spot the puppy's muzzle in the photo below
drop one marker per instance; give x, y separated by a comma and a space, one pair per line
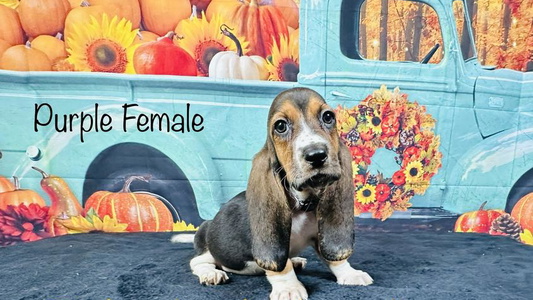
316, 155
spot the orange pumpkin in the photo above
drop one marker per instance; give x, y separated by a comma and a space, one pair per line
24, 58
6, 185
289, 11
260, 22
19, 196
10, 28
82, 15
43, 16
75, 3
523, 212
4, 46
477, 221
162, 16
53, 47
128, 9
142, 212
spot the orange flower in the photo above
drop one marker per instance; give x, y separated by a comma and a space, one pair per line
398, 178
357, 154
382, 192
411, 153
367, 135
389, 126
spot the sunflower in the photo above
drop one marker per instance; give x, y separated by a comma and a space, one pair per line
366, 194
374, 123
203, 39
413, 172
91, 223
182, 226
103, 45
284, 64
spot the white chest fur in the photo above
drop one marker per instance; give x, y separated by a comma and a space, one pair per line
304, 231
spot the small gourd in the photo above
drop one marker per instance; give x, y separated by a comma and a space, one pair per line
234, 65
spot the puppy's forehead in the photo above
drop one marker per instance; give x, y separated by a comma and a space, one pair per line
297, 102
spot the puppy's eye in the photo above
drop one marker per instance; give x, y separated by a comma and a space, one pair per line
328, 117
281, 126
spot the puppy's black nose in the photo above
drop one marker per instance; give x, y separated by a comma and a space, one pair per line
316, 155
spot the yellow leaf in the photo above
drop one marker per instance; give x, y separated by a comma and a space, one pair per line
182, 226
526, 237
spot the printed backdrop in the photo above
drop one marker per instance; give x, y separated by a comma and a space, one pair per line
64, 179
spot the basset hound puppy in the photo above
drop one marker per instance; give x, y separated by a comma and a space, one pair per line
299, 194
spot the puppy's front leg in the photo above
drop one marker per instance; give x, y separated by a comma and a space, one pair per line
204, 266
347, 275
285, 285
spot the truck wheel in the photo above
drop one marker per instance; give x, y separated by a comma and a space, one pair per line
522, 187
108, 170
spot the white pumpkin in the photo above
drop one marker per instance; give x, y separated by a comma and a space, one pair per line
233, 65
228, 64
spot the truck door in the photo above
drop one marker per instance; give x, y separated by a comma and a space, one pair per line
404, 44
496, 102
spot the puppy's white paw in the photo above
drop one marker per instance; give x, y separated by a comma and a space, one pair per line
295, 291
354, 277
299, 262
213, 277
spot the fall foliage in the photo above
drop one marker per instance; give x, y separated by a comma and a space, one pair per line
405, 31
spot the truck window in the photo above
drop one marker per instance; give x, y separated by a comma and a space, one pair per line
467, 46
398, 31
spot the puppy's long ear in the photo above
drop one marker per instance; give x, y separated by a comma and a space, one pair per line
269, 212
335, 213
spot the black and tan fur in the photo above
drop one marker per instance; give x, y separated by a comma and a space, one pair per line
299, 193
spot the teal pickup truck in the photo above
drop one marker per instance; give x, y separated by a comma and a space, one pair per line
196, 136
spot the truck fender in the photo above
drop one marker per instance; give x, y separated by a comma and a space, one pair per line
497, 170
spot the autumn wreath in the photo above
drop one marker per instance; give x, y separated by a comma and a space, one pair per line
386, 119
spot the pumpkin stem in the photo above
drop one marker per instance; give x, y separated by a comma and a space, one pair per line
225, 29
130, 179
45, 175
16, 183
482, 205
170, 35
253, 3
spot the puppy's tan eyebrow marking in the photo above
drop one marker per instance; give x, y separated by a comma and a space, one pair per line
314, 107
288, 111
